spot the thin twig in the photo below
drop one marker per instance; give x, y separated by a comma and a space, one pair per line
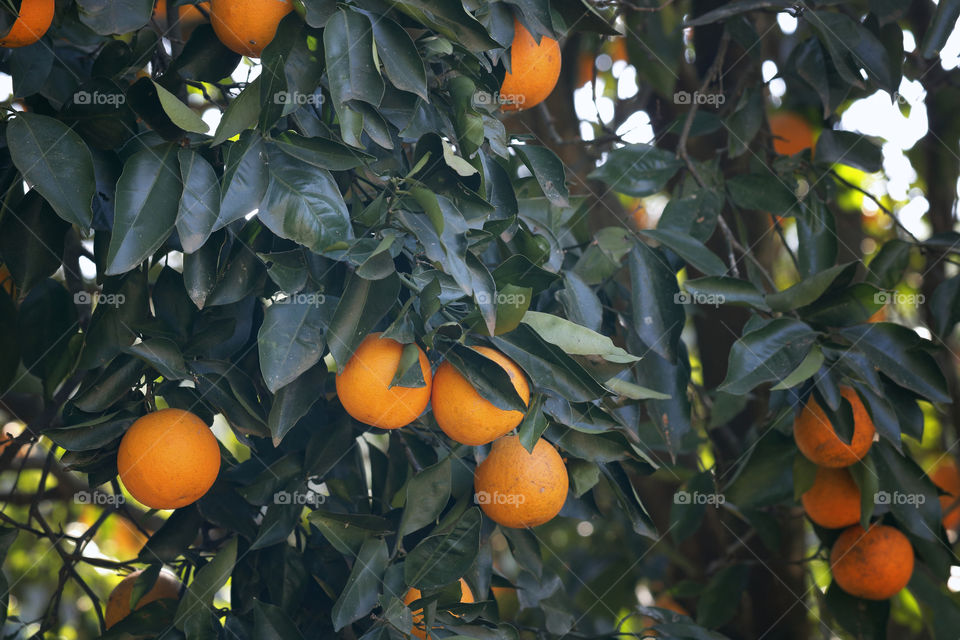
879, 204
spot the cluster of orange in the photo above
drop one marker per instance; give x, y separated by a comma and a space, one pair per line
875, 563
519, 488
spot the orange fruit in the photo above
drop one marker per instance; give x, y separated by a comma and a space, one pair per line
167, 587
247, 26
879, 316
364, 385
791, 133
874, 564
35, 18
463, 414
168, 459
519, 489
6, 281
947, 478
821, 445
188, 16
413, 594
534, 70
663, 601
834, 499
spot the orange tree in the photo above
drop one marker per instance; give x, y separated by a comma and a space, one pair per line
374, 267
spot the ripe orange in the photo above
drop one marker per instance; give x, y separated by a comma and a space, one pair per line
188, 16
247, 26
35, 18
879, 316
364, 385
413, 594
168, 459
834, 499
464, 414
520, 489
534, 70
818, 441
947, 478
874, 564
167, 587
791, 133
6, 281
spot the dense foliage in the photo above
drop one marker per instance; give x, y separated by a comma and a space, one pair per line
366, 181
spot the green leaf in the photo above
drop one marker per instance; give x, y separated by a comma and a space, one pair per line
908, 491
293, 401
548, 169
723, 290
199, 202
888, 265
321, 152
108, 17
272, 623
810, 289
944, 22
400, 57
945, 303
759, 192
147, 201
451, 21
689, 505
302, 203
862, 618
575, 339
198, 600
657, 318
245, 179
633, 391
179, 113
351, 69
31, 241
362, 590
56, 162
548, 365
533, 425
363, 305
848, 148
864, 474
810, 365
899, 353
486, 376
839, 35
242, 113
427, 493
637, 169
291, 338
163, 355
444, 557
769, 353
745, 122
691, 250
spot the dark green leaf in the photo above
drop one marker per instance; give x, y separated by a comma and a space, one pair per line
723, 290
362, 590
108, 17
443, 557
657, 319
767, 354
944, 22
810, 289
637, 169
351, 70
691, 250
399, 56
427, 493
291, 338
759, 192
547, 168
199, 202
848, 148
363, 305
